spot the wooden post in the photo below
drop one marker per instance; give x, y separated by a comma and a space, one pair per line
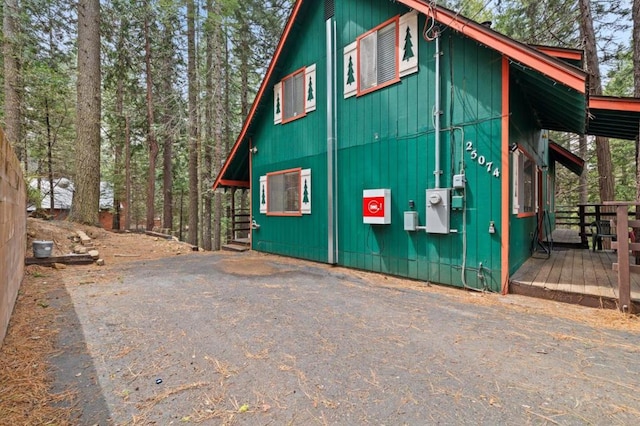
624, 284
583, 225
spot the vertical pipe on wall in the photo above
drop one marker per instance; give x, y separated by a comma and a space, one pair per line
330, 142
335, 140
436, 111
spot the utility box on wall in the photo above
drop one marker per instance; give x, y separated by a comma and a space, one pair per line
438, 210
376, 206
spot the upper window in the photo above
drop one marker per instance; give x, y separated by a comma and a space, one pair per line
378, 57
293, 96
284, 192
524, 184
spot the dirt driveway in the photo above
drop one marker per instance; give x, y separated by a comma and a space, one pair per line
256, 339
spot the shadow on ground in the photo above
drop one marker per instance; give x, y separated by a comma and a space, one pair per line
254, 339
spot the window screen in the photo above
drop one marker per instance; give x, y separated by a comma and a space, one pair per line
377, 56
368, 59
284, 192
528, 187
387, 53
293, 96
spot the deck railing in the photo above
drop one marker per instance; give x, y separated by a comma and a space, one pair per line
583, 215
624, 267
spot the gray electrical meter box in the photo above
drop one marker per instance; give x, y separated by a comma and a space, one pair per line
410, 221
438, 210
459, 181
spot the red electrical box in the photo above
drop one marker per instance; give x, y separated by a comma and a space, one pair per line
376, 206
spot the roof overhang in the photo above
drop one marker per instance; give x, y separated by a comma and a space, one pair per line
538, 64
236, 167
566, 158
573, 57
614, 117
558, 70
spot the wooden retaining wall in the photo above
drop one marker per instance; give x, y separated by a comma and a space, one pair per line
13, 224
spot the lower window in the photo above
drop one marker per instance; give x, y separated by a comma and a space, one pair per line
524, 184
284, 192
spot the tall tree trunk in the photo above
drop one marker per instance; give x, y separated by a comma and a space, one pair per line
167, 164
87, 178
127, 172
49, 157
636, 86
583, 190
12, 101
227, 126
635, 15
603, 152
244, 52
168, 53
218, 113
117, 159
208, 126
193, 124
152, 142
119, 172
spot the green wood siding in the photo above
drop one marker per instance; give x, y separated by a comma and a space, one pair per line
386, 140
524, 131
299, 143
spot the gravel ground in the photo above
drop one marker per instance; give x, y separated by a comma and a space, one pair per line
253, 339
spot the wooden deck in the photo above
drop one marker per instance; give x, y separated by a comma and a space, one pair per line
575, 276
566, 237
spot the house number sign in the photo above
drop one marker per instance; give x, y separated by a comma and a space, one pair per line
482, 161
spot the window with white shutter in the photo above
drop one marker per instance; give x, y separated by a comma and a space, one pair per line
378, 57
293, 96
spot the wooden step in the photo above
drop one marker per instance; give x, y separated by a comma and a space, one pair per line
235, 247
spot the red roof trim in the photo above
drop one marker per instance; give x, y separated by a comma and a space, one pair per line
235, 183
614, 104
569, 156
557, 70
560, 52
263, 88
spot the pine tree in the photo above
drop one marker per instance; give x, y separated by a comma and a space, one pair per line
86, 199
310, 91
263, 201
408, 46
350, 78
278, 104
305, 193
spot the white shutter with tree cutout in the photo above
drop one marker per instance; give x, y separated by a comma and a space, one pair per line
350, 70
263, 194
277, 103
310, 88
515, 208
408, 43
305, 191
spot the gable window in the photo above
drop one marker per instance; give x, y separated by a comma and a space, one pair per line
524, 184
284, 192
378, 57
293, 96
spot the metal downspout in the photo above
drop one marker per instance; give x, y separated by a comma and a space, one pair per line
330, 142
436, 111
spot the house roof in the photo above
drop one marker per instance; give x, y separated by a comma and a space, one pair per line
614, 117
573, 57
63, 190
555, 89
566, 158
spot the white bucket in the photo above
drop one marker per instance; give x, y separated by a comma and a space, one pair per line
42, 248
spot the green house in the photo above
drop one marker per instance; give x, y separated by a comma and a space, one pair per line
400, 137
